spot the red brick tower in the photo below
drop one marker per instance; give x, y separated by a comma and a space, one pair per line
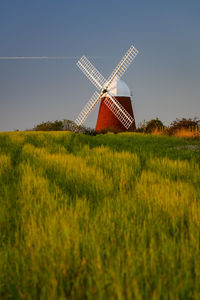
106, 119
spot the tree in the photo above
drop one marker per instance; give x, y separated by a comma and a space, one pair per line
141, 126
66, 125
152, 125
184, 123
49, 126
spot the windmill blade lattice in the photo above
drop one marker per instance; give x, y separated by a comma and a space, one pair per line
123, 65
88, 108
91, 72
102, 84
119, 111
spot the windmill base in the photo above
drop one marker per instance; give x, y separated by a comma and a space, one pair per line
108, 121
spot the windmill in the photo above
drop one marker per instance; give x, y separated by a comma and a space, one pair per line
115, 109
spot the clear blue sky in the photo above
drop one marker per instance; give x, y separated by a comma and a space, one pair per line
165, 77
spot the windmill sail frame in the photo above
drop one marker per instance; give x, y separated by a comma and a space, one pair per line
102, 84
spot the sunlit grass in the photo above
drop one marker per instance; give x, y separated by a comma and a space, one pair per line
105, 217
185, 133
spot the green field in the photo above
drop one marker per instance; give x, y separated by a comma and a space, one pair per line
104, 217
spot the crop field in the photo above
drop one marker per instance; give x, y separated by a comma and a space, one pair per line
103, 217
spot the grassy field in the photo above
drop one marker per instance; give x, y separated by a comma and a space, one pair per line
104, 217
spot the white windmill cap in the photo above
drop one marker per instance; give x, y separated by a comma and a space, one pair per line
119, 89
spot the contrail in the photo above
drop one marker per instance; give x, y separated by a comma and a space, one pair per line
44, 57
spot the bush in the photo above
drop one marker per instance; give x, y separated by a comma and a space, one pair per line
150, 126
49, 126
66, 125
141, 126
89, 131
153, 125
179, 124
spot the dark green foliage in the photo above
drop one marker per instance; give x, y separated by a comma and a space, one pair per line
65, 125
49, 126
188, 124
191, 127
150, 126
89, 131
68, 125
153, 125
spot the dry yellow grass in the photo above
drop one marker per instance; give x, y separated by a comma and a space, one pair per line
185, 133
188, 133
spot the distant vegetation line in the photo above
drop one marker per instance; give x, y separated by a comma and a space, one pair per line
180, 127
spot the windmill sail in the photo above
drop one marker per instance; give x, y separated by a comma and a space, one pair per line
88, 108
119, 111
103, 85
123, 65
91, 72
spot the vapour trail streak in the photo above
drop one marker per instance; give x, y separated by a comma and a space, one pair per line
44, 57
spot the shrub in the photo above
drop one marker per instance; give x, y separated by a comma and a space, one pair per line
141, 126
49, 126
153, 125
66, 125
180, 124
150, 126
